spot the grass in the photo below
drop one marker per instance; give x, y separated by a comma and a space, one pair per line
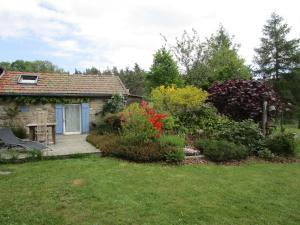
97, 190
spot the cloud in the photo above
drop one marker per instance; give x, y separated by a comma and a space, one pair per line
116, 32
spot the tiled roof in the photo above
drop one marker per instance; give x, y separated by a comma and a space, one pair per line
62, 85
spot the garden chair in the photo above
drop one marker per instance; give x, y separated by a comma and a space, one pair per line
10, 140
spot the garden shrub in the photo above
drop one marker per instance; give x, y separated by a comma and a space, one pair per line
177, 100
141, 124
171, 140
142, 153
111, 145
106, 143
265, 154
19, 132
221, 150
242, 99
281, 144
36, 154
204, 118
110, 123
176, 155
170, 123
115, 104
246, 133
173, 146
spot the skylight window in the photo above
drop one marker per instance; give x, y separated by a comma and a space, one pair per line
28, 79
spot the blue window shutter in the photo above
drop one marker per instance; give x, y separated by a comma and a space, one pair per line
59, 119
85, 122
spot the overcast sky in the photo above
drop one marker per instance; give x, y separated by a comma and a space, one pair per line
84, 33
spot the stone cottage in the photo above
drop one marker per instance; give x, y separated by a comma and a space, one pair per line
72, 102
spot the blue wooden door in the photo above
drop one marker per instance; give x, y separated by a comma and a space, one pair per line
59, 119
85, 121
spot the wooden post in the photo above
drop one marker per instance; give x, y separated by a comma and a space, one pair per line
265, 118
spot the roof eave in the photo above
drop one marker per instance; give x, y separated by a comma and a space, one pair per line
60, 94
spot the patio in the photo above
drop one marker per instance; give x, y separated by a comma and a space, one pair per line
70, 144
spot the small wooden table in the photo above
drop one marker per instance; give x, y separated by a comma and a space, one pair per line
32, 127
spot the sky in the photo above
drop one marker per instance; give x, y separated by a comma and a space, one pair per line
84, 33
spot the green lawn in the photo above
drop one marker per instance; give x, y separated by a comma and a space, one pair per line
97, 190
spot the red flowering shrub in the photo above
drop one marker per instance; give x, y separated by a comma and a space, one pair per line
242, 99
155, 119
141, 124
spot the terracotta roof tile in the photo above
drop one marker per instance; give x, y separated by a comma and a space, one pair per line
62, 84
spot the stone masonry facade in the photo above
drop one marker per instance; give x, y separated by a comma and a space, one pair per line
26, 114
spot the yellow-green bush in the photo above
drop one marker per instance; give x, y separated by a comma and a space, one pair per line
178, 99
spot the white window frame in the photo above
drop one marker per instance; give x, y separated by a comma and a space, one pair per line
64, 120
25, 81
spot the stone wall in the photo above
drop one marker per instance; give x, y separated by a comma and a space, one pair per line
24, 114
96, 106
28, 115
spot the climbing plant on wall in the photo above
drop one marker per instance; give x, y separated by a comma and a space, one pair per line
29, 100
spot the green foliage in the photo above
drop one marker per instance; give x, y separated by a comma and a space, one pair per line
222, 150
205, 118
110, 123
245, 133
92, 70
134, 79
222, 59
171, 140
169, 124
9, 155
12, 112
28, 100
37, 66
282, 144
36, 154
206, 122
173, 145
207, 62
19, 132
106, 143
136, 128
112, 145
175, 156
115, 104
178, 100
288, 89
164, 71
142, 153
276, 55
265, 154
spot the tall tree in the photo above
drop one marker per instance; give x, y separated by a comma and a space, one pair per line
276, 55
188, 50
92, 70
37, 66
216, 59
222, 58
164, 71
133, 79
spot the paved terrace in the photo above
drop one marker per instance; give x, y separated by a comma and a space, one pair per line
70, 144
